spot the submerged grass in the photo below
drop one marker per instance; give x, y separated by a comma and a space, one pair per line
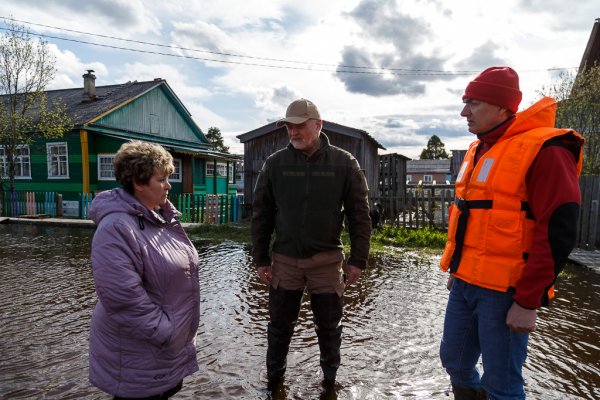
388, 236
239, 232
415, 238
425, 240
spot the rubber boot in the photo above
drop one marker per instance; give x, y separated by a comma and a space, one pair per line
327, 312
284, 306
461, 393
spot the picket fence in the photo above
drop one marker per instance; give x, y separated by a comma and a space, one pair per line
15, 204
427, 206
421, 206
199, 208
588, 234
208, 208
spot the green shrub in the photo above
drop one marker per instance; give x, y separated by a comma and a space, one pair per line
397, 236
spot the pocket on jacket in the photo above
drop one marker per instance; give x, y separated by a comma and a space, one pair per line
179, 337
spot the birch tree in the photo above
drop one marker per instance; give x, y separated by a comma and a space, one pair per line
26, 69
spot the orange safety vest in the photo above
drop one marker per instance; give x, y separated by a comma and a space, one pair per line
490, 228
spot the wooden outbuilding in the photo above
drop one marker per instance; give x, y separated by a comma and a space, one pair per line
260, 143
392, 175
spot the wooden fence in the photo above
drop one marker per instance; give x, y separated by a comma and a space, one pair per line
208, 208
203, 208
421, 206
85, 201
427, 206
588, 235
15, 204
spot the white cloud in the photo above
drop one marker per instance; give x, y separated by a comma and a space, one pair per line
532, 36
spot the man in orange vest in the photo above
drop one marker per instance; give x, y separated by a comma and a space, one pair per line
509, 235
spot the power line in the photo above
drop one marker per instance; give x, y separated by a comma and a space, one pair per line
168, 46
377, 70
383, 72
230, 54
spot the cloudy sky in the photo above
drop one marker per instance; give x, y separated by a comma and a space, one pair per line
394, 68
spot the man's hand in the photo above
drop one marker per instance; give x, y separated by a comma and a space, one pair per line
265, 274
450, 282
521, 320
352, 274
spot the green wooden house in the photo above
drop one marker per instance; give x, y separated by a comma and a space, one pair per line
104, 118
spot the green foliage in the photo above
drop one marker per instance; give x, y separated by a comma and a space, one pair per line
215, 138
435, 150
388, 236
26, 68
401, 237
578, 99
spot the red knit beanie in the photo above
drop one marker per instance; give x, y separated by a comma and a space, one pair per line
498, 86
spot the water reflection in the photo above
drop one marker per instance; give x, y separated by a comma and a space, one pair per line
393, 320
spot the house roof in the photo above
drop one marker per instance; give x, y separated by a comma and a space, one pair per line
592, 50
88, 114
107, 98
393, 155
428, 166
327, 126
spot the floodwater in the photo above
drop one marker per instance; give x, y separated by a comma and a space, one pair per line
393, 322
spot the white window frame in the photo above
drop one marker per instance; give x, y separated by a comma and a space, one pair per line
221, 170
210, 168
408, 178
3, 163
20, 160
177, 173
427, 178
103, 159
58, 159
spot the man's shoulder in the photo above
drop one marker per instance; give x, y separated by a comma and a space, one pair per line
279, 154
341, 153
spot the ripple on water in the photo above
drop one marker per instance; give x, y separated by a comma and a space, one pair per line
393, 322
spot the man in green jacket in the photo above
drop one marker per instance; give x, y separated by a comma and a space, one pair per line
303, 193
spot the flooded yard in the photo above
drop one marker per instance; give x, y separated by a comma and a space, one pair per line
393, 322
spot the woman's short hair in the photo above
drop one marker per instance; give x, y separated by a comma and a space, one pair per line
137, 161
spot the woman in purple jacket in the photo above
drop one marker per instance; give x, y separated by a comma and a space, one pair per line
143, 329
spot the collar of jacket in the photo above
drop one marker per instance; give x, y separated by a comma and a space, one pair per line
167, 213
490, 137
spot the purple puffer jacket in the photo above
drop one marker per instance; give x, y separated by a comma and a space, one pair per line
143, 330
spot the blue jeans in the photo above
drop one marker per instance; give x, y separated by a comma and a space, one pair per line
474, 325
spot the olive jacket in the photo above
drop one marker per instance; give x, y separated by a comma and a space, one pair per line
304, 201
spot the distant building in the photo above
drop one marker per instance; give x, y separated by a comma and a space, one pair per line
428, 171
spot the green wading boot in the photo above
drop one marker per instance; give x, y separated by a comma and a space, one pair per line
327, 312
284, 306
461, 393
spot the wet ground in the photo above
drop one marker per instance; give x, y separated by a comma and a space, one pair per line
393, 320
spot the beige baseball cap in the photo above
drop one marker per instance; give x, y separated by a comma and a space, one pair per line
299, 111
